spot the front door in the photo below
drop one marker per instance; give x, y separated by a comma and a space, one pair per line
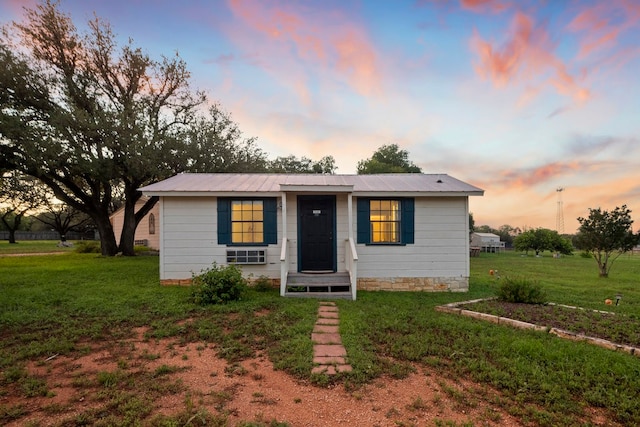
316, 228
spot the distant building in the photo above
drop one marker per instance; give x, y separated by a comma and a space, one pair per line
148, 230
487, 242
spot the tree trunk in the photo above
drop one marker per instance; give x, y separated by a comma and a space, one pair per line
128, 235
132, 219
107, 237
12, 235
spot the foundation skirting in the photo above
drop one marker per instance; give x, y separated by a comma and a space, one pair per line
414, 284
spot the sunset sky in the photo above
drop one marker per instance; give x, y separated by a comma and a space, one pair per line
519, 98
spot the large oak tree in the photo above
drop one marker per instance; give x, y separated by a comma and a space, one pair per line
94, 120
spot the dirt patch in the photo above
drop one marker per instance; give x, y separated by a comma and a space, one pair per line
190, 377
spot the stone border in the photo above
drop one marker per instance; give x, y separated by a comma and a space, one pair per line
455, 308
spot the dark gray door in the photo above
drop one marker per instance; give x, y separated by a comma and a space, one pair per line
316, 225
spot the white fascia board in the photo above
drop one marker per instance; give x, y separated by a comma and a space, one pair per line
211, 194
418, 194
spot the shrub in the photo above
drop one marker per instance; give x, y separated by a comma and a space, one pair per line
521, 290
218, 285
88, 247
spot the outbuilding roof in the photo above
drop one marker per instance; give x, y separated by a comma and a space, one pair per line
222, 183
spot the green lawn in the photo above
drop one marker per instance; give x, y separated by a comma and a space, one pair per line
51, 304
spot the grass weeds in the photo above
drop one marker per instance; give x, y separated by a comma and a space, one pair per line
55, 304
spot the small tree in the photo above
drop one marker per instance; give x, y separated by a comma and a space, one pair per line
63, 218
540, 240
606, 235
19, 194
524, 241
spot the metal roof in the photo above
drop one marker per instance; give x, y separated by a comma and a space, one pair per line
408, 183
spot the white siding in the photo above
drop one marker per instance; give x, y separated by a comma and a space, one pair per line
190, 240
440, 248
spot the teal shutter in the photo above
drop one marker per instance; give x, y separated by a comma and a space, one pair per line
270, 206
224, 221
363, 225
408, 221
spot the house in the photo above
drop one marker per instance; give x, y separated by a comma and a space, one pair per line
378, 232
487, 242
147, 232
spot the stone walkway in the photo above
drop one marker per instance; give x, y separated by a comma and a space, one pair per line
329, 355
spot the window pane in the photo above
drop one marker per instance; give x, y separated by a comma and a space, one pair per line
236, 211
385, 221
247, 221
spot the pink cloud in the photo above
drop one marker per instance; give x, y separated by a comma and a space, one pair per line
521, 179
601, 25
307, 40
526, 56
494, 6
540, 174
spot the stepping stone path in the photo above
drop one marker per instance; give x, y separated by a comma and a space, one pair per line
328, 352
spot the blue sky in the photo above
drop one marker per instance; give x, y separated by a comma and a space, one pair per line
519, 98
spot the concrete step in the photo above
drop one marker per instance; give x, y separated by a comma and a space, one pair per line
322, 279
322, 285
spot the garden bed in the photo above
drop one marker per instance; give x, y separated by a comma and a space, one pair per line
603, 328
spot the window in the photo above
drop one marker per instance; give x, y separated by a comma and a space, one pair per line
384, 217
385, 221
247, 221
152, 224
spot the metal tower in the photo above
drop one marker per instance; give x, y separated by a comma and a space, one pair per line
559, 212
